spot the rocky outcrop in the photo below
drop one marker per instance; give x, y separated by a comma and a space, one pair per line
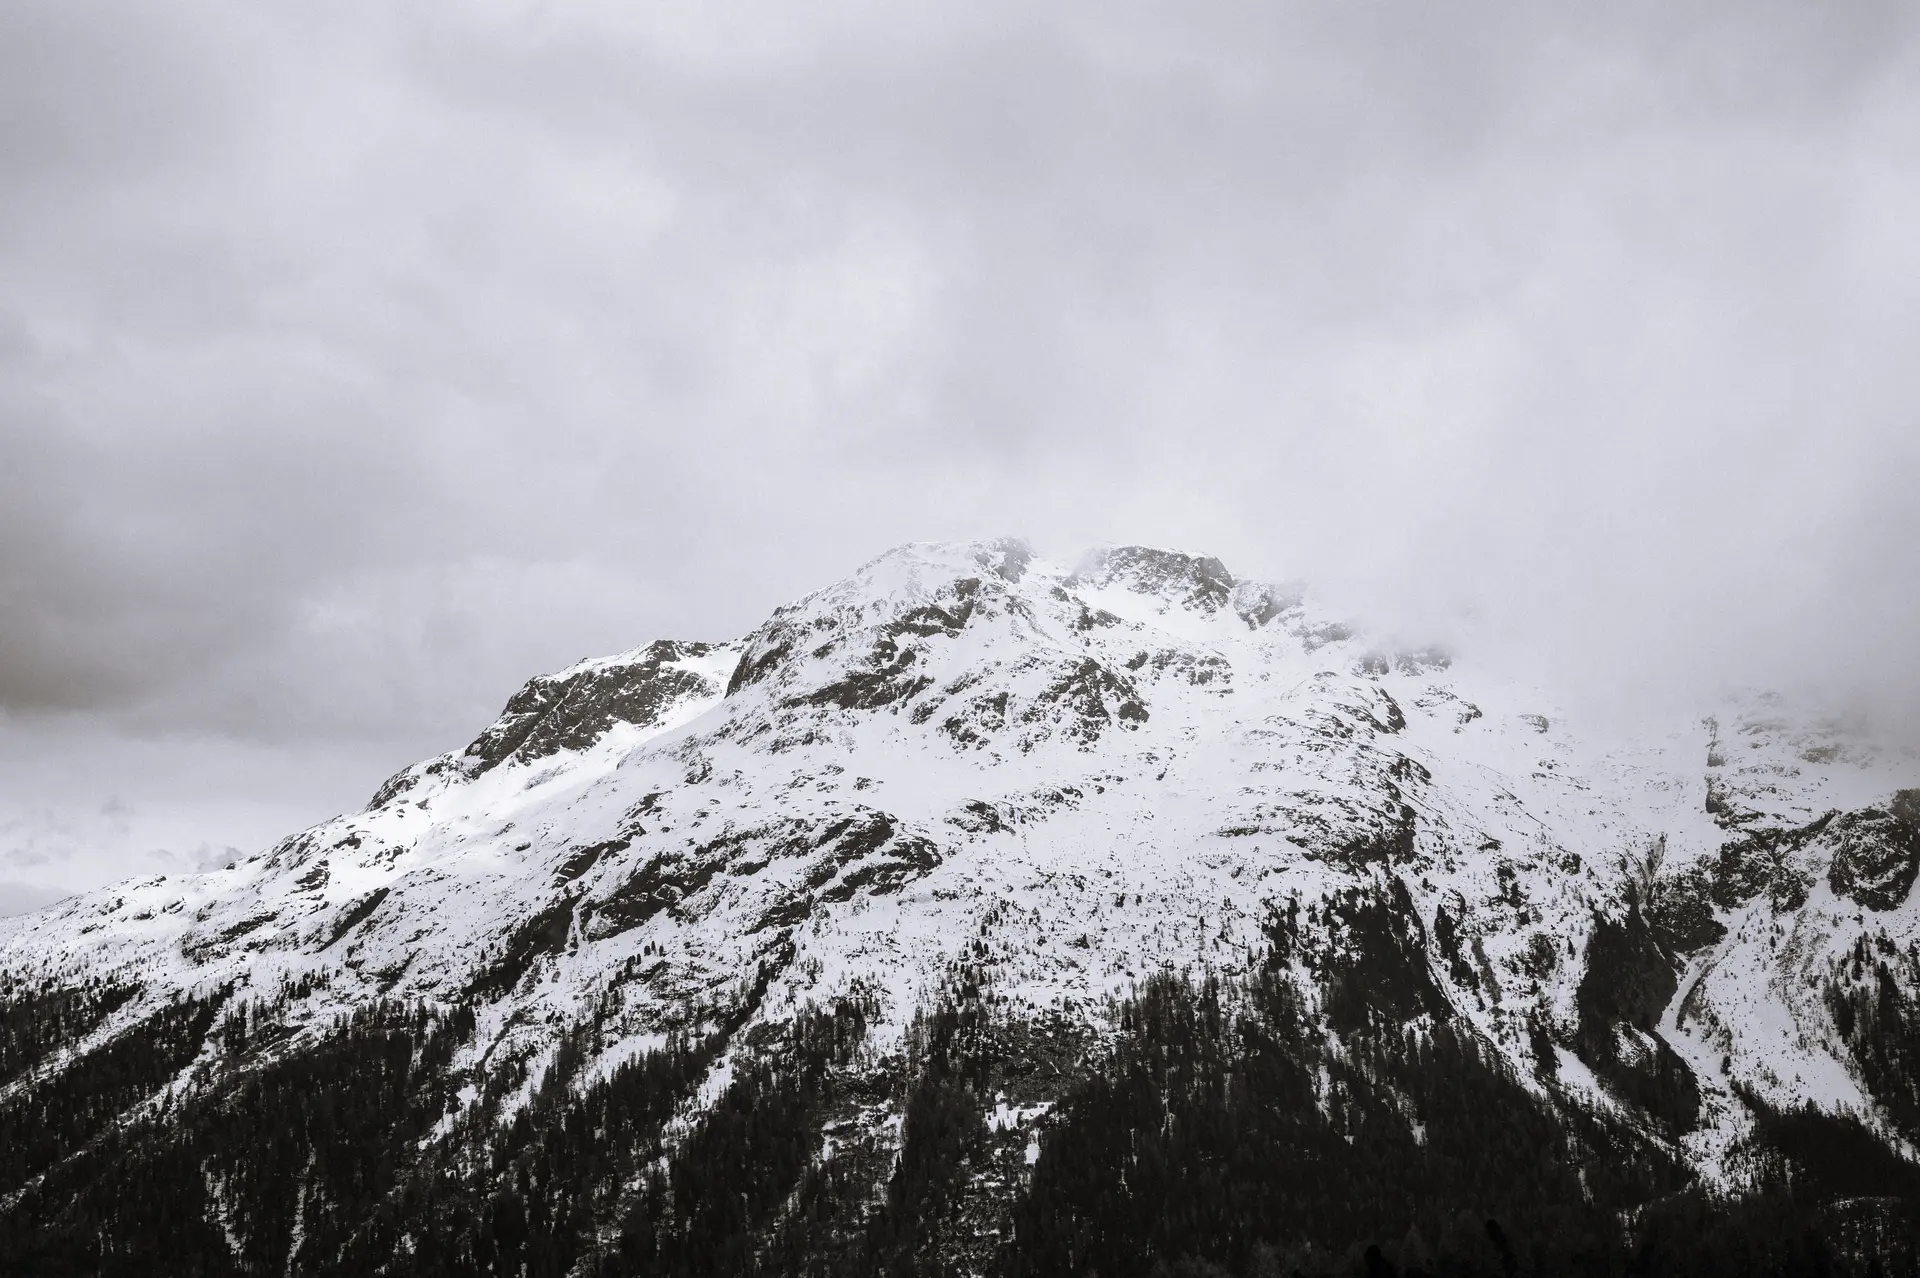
1876, 852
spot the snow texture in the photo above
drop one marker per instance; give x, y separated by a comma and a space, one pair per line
1079, 775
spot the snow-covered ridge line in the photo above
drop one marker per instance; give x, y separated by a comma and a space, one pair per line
1074, 776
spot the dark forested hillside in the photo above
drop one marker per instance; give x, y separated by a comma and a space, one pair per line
1225, 1129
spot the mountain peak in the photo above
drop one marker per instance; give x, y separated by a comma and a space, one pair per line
969, 800
1198, 581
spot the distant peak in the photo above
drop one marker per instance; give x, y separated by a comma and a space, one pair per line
1199, 581
1003, 557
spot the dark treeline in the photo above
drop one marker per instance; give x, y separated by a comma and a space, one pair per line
494, 1198
703, 1213
40, 1125
306, 1143
1322, 1112
932, 1208
1865, 995
1230, 1132
1223, 1140
34, 1020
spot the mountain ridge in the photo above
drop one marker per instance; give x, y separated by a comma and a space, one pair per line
965, 830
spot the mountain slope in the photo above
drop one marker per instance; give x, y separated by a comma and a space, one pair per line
857, 943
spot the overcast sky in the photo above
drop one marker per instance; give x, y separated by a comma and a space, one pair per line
359, 360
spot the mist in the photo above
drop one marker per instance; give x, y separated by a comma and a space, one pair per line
356, 364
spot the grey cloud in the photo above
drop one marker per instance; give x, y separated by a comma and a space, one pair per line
357, 362
23, 898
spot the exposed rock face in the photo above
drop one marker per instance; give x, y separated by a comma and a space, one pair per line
1198, 583
980, 913
574, 709
1877, 852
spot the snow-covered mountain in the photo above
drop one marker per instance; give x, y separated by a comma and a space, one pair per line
947, 840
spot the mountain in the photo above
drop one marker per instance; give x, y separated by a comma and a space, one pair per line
981, 914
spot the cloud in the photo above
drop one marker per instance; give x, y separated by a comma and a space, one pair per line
356, 363
24, 898
82, 803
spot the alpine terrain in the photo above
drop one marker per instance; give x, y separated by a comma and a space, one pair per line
984, 915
